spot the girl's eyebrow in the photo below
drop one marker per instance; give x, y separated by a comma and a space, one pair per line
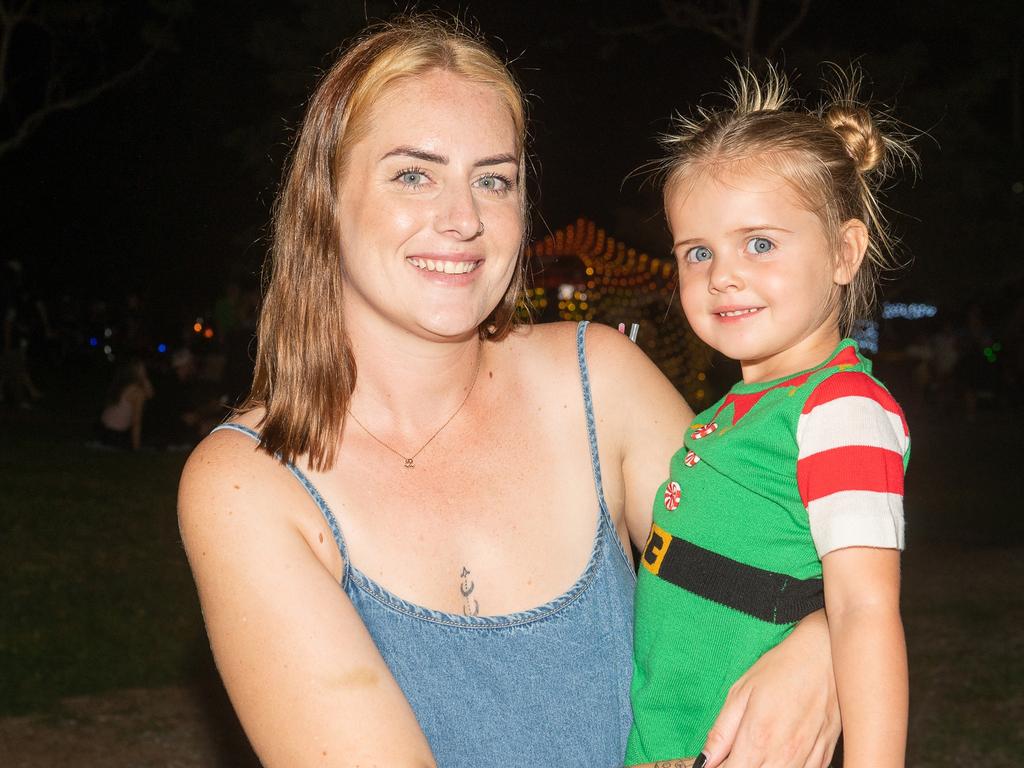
739, 231
433, 157
763, 228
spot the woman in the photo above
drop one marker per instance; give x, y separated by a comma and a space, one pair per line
120, 424
473, 491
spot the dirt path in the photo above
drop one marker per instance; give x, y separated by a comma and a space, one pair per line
139, 728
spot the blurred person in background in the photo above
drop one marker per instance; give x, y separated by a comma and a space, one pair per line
18, 311
120, 424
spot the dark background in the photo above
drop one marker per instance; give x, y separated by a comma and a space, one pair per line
162, 185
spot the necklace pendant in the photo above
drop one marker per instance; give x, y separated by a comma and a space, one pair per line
409, 464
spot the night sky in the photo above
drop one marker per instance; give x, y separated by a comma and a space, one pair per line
163, 185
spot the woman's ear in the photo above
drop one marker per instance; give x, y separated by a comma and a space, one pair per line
853, 244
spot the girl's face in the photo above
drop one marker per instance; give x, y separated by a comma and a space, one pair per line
755, 276
430, 209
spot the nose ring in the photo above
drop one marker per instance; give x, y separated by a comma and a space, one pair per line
481, 230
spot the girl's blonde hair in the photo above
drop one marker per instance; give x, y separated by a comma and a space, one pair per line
836, 157
305, 371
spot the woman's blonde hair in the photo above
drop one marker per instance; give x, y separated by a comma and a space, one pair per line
305, 371
836, 157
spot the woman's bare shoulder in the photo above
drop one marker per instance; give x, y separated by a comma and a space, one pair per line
229, 472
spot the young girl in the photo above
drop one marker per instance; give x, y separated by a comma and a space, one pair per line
788, 493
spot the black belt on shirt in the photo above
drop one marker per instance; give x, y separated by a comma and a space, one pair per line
765, 595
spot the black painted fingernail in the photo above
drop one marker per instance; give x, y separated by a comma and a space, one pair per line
701, 759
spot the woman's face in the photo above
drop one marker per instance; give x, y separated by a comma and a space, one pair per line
430, 208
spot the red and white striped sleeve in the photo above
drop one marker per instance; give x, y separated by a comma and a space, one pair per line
852, 438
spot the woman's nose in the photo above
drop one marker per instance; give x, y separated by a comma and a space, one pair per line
458, 214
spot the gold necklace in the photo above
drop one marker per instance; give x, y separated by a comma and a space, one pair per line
409, 460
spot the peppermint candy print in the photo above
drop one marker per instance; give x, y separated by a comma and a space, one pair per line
691, 459
673, 493
704, 431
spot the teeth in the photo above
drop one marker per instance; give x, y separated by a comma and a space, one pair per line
738, 312
447, 267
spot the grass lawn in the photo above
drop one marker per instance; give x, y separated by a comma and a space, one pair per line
96, 594
95, 587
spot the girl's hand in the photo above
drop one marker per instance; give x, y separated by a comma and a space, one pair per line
784, 711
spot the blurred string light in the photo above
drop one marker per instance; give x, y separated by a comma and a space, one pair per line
992, 352
161, 348
865, 333
893, 310
593, 276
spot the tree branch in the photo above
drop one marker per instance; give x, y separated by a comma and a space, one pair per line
796, 21
52, 105
55, 97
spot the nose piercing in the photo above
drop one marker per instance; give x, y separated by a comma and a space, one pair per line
481, 230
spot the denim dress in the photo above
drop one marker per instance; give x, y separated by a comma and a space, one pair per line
546, 686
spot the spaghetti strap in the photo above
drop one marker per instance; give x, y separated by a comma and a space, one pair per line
311, 489
588, 405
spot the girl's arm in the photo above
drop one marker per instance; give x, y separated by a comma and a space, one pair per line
862, 597
302, 672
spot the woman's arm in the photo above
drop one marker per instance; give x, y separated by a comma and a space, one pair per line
302, 672
862, 596
643, 418
783, 711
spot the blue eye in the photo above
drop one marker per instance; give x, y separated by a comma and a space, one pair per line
698, 254
759, 245
495, 183
411, 178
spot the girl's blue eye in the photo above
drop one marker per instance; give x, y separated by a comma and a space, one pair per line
759, 245
698, 254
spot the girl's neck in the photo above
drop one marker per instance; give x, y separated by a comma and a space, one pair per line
807, 353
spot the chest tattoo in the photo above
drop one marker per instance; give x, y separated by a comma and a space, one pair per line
470, 605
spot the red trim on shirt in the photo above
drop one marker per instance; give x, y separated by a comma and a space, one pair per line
849, 468
742, 403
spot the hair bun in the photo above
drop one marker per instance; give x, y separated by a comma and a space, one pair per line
864, 142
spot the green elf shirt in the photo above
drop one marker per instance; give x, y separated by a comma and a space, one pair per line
769, 479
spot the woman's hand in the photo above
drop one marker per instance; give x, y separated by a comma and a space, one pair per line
784, 712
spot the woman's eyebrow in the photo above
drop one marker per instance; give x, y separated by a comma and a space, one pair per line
419, 154
434, 157
497, 160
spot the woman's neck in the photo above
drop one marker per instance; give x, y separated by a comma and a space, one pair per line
405, 382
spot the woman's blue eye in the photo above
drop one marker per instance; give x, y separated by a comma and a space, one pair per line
698, 254
412, 178
758, 245
495, 183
